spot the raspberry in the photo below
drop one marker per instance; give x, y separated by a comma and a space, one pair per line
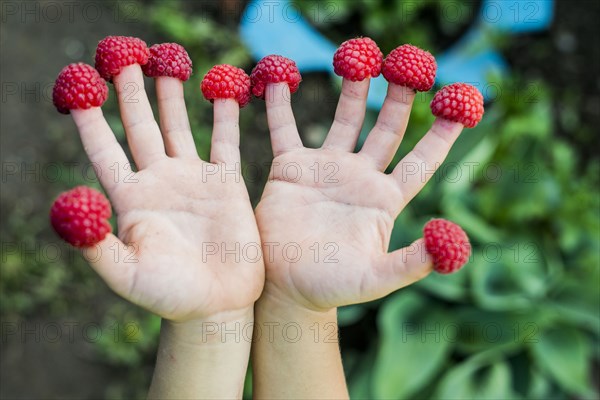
410, 66
116, 52
458, 102
78, 86
448, 244
358, 59
274, 69
80, 216
168, 59
226, 82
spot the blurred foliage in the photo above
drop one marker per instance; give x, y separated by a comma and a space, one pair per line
521, 321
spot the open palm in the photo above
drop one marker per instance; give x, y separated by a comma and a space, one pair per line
326, 214
192, 242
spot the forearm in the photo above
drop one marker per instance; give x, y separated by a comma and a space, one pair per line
296, 352
204, 359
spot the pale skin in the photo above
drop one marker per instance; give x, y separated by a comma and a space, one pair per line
175, 204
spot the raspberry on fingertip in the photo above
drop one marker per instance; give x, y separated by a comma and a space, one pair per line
447, 244
80, 216
78, 86
358, 59
116, 52
458, 102
274, 69
410, 66
168, 59
226, 82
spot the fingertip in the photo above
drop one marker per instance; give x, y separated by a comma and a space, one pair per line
401, 94
83, 116
447, 127
128, 74
417, 262
226, 110
168, 87
277, 93
97, 254
356, 89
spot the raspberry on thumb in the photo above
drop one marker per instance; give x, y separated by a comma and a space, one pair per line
458, 102
80, 216
78, 86
447, 244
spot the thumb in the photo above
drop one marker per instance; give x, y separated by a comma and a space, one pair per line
403, 267
115, 262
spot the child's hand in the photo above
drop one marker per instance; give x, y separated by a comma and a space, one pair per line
181, 215
326, 214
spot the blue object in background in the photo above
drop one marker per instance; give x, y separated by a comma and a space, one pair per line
269, 27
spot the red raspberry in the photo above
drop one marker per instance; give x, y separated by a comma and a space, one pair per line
410, 66
358, 59
274, 69
448, 244
78, 86
168, 59
226, 82
116, 52
80, 216
458, 102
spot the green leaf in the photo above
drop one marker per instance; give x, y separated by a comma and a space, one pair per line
413, 346
493, 286
577, 302
349, 315
533, 122
475, 226
539, 387
476, 379
480, 330
563, 354
448, 287
525, 265
497, 383
358, 370
247, 393
460, 175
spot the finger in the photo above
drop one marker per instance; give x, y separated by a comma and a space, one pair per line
415, 170
101, 147
385, 137
402, 267
174, 122
349, 116
143, 134
114, 262
225, 144
282, 125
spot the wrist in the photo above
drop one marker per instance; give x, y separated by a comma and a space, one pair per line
203, 358
305, 341
279, 300
227, 327
281, 318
